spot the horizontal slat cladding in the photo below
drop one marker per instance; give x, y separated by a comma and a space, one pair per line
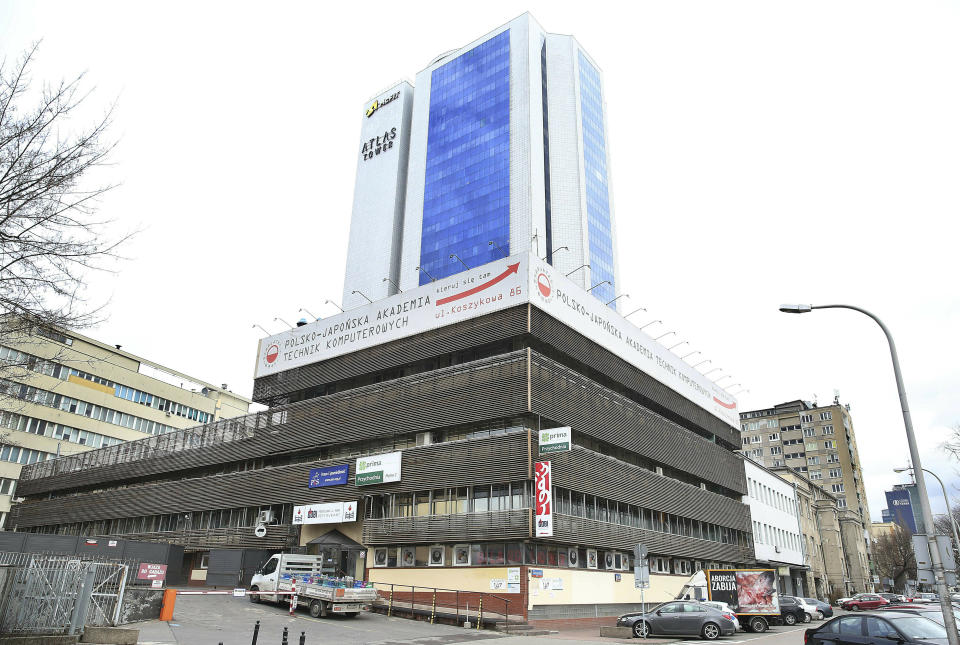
450, 338
570, 398
580, 530
660, 397
468, 527
479, 391
279, 537
589, 472
458, 463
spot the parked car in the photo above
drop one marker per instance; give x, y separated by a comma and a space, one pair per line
865, 601
722, 606
927, 610
680, 617
926, 597
809, 610
791, 611
893, 597
878, 628
823, 608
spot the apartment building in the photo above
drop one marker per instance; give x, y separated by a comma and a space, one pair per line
62, 393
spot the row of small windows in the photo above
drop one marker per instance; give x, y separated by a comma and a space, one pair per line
770, 497
825, 415
83, 408
18, 455
766, 534
14, 357
13, 421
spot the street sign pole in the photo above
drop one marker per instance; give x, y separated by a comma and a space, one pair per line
641, 579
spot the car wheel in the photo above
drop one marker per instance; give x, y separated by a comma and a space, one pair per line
854, 608
807, 617
316, 608
641, 629
710, 631
790, 619
758, 625
819, 615
254, 597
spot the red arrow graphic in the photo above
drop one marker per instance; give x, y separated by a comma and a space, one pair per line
728, 406
513, 268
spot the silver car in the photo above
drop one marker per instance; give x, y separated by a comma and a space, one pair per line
681, 618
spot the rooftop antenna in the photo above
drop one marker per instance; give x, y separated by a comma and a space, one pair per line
836, 396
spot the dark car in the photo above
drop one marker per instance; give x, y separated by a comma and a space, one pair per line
893, 597
791, 611
877, 629
680, 617
824, 608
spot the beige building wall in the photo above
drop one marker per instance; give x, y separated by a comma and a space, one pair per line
819, 443
33, 361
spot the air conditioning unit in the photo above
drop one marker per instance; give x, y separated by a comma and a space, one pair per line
265, 517
461, 555
408, 556
573, 557
592, 561
437, 556
608, 560
380, 556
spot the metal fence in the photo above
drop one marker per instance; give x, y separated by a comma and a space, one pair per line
58, 594
17, 559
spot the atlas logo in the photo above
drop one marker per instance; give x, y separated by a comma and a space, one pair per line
376, 105
272, 353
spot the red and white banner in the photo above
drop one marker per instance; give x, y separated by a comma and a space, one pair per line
543, 482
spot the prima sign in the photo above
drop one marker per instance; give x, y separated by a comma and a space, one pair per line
555, 440
379, 469
543, 492
379, 103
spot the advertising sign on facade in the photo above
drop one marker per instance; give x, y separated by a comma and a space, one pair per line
900, 508
329, 513
544, 494
329, 476
152, 571
378, 469
519, 279
555, 440
747, 591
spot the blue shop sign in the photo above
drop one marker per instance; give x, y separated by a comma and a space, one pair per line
329, 476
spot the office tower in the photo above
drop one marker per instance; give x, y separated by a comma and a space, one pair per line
507, 153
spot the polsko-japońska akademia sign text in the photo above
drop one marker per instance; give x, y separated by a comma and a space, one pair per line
497, 285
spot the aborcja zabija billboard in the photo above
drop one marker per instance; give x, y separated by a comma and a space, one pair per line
747, 591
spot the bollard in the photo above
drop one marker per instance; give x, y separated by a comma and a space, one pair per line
303, 638
284, 641
169, 600
256, 633
293, 596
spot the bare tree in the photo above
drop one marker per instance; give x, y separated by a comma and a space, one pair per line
894, 557
952, 445
50, 236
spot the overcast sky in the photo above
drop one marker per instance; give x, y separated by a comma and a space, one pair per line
761, 152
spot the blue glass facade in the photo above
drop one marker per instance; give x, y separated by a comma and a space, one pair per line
466, 200
599, 227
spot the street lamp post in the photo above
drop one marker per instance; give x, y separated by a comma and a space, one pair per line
953, 522
945, 606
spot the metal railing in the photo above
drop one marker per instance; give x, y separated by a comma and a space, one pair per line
17, 559
60, 595
428, 601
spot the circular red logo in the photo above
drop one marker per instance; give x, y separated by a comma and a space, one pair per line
543, 283
272, 352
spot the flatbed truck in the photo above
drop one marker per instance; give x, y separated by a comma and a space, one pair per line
324, 594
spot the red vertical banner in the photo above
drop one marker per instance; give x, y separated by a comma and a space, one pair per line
543, 481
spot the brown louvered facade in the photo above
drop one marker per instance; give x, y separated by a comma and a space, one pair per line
478, 391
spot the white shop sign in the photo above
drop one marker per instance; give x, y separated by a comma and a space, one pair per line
378, 469
328, 513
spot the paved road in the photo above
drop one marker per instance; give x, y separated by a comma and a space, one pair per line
210, 620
